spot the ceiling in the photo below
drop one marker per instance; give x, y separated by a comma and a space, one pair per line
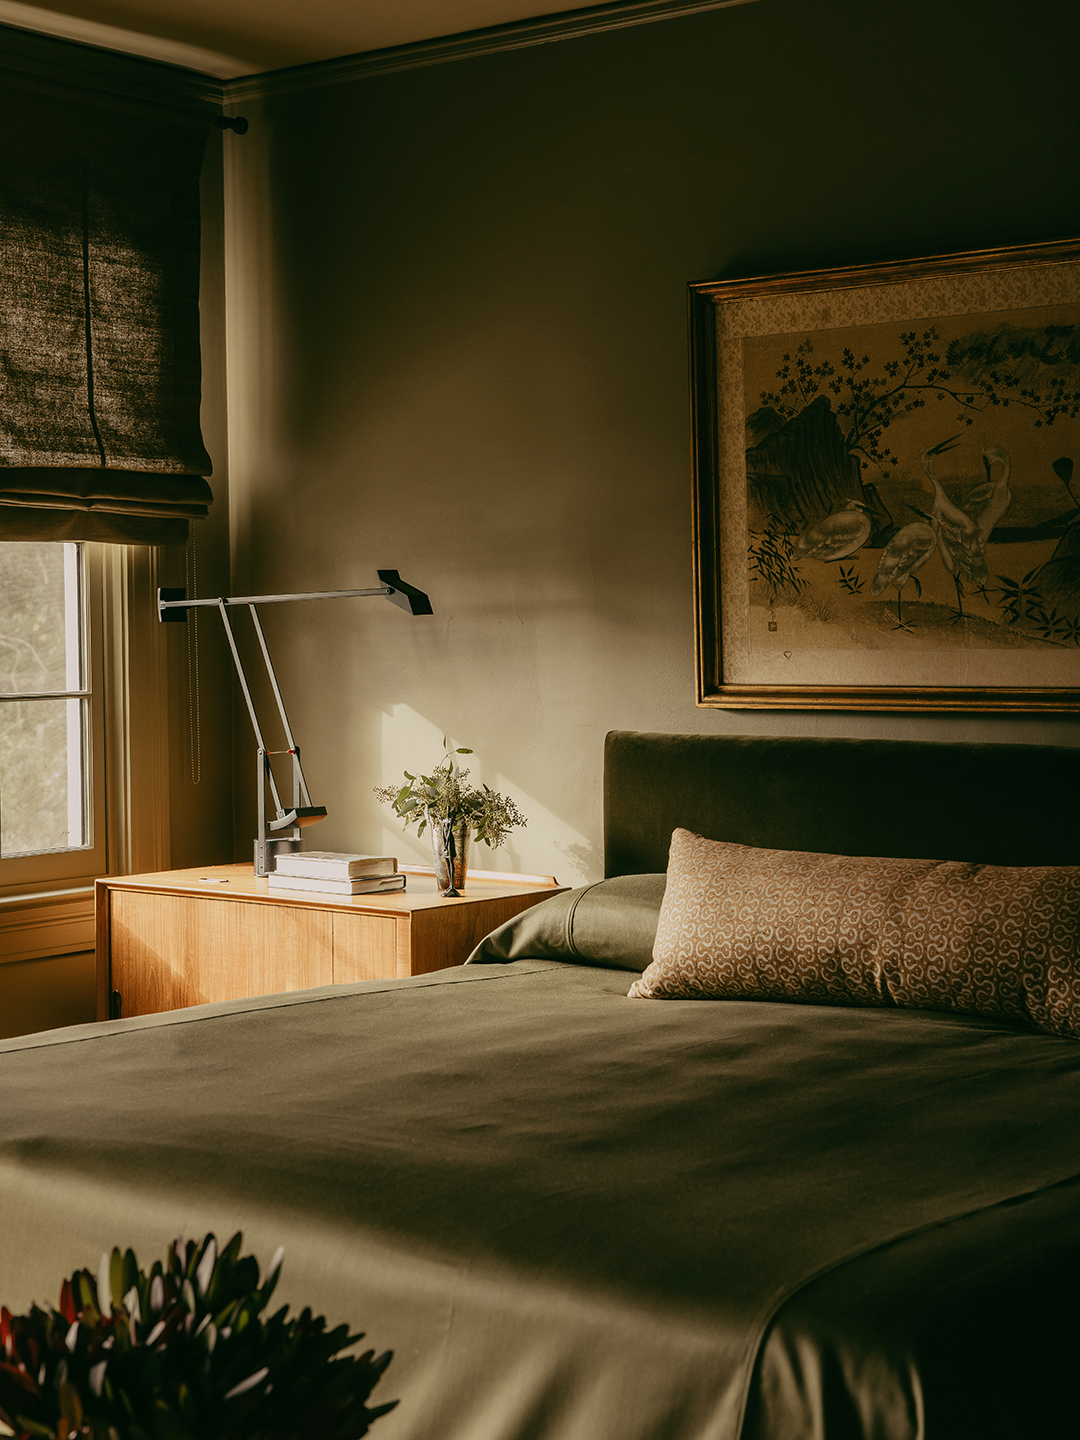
228, 38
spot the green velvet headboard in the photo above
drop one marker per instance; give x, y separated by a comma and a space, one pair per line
996, 804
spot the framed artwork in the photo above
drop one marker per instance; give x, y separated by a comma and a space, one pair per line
887, 485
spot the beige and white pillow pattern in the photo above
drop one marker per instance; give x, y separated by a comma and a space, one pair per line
742, 923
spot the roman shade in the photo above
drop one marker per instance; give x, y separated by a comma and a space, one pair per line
99, 320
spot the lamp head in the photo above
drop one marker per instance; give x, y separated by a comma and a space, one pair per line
414, 601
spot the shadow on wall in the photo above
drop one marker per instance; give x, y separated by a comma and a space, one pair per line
408, 741
44, 994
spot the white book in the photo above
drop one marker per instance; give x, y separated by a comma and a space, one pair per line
360, 886
327, 865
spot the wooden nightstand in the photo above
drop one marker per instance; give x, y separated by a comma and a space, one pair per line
185, 937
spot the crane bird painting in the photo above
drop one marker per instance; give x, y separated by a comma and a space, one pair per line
958, 534
986, 504
838, 535
908, 551
884, 471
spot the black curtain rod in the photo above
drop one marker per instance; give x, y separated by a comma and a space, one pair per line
236, 123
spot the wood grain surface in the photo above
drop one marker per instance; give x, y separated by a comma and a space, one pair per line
188, 937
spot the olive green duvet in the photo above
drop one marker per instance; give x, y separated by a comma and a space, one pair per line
575, 1216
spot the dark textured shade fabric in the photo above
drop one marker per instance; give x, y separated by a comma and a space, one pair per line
99, 329
29, 523
992, 804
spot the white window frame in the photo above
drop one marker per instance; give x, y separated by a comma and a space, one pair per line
44, 870
47, 900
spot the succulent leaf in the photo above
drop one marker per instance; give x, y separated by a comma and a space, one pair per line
205, 1269
212, 1366
130, 1274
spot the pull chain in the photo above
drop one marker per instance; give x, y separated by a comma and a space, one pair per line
194, 729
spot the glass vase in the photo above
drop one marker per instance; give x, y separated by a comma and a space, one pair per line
443, 837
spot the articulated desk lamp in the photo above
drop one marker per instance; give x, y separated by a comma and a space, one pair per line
282, 833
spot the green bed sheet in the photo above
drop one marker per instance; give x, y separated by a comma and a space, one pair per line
579, 1217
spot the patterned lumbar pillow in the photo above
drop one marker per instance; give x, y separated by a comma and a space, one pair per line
739, 923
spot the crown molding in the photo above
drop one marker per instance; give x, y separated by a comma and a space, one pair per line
27, 57
519, 35
128, 42
98, 62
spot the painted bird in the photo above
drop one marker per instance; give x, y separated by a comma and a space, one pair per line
987, 503
839, 534
957, 533
908, 550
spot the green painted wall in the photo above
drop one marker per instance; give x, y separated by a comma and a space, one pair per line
456, 301
200, 667
42, 994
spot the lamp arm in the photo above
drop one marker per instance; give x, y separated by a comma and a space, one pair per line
272, 676
301, 793
174, 601
243, 678
173, 606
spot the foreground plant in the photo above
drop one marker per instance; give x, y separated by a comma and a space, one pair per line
445, 794
181, 1353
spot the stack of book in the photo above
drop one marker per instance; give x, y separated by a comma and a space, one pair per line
326, 873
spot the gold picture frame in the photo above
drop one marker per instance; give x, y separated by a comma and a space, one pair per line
885, 515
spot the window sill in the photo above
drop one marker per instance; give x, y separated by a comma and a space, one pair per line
58, 922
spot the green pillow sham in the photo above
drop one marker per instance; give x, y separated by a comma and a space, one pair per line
611, 924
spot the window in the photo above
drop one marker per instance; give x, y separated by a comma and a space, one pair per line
103, 462
51, 773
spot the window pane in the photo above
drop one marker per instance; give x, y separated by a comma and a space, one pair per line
42, 776
44, 779
40, 624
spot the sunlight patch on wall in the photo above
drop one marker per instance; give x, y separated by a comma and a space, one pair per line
410, 741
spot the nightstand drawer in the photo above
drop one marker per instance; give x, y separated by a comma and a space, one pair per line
187, 937
370, 947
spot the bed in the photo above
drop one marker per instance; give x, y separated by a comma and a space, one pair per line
576, 1216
